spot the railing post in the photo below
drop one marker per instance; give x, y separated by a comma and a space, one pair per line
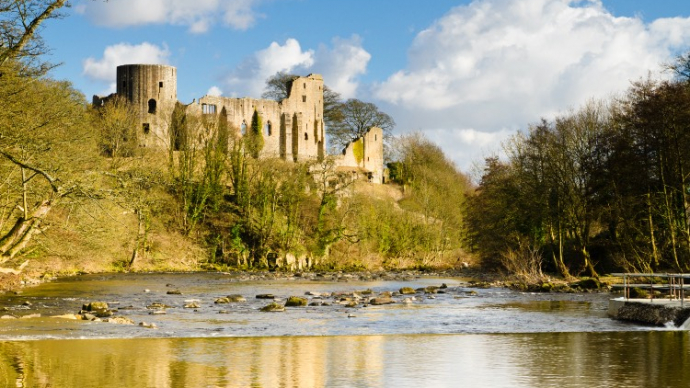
626, 294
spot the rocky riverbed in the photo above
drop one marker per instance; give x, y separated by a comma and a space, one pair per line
242, 304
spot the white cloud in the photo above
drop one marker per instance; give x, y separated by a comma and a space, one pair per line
340, 65
214, 91
496, 64
197, 15
249, 78
120, 54
467, 145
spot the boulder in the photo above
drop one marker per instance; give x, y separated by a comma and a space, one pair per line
273, 307
103, 313
95, 306
191, 305
407, 291
148, 325
265, 296
119, 320
157, 306
236, 298
222, 301
431, 290
174, 292
296, 301
381, 301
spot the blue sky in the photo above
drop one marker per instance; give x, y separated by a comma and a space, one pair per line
467, 73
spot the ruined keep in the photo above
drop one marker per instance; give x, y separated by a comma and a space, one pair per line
293, 128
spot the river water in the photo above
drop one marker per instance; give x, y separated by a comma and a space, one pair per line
461, 337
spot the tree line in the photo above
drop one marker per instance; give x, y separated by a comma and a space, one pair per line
603, 187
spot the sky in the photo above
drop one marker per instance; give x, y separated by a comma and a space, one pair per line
468, 74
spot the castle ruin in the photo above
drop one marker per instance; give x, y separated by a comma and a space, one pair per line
293, 128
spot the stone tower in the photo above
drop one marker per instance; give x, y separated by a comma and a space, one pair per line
152, 89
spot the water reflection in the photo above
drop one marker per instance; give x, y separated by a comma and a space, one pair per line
614, 359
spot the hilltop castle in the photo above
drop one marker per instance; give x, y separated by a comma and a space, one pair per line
293, 128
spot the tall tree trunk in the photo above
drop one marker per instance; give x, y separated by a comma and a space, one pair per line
655, 251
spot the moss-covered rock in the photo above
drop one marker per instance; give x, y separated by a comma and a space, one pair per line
546, 287
407, 291
381, 301
587, 284
296, 301
236, 298
95, 306
273, 307
431, 290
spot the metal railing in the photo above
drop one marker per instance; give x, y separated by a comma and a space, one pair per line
673, 283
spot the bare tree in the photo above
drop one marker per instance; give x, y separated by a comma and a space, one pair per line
356, 117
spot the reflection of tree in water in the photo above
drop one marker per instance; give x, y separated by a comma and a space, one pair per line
12, 368
18, 365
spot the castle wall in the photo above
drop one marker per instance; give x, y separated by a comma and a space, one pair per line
293, 128
370, 158
153, 90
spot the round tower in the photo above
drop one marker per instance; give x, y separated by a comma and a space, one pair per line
152, 89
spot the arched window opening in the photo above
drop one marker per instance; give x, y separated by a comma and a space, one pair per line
243, 127
152, 106
269, 130
147, 128
376, 137
306, 136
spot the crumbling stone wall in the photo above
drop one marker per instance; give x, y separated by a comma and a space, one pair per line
364, 156
293, 129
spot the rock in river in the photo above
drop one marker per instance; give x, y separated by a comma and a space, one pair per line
236, 298
95, 306
296, 301
381, 301
407, 291
273, 307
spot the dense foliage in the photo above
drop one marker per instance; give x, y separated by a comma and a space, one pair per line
600, 188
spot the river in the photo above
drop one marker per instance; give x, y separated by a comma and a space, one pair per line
461, 336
